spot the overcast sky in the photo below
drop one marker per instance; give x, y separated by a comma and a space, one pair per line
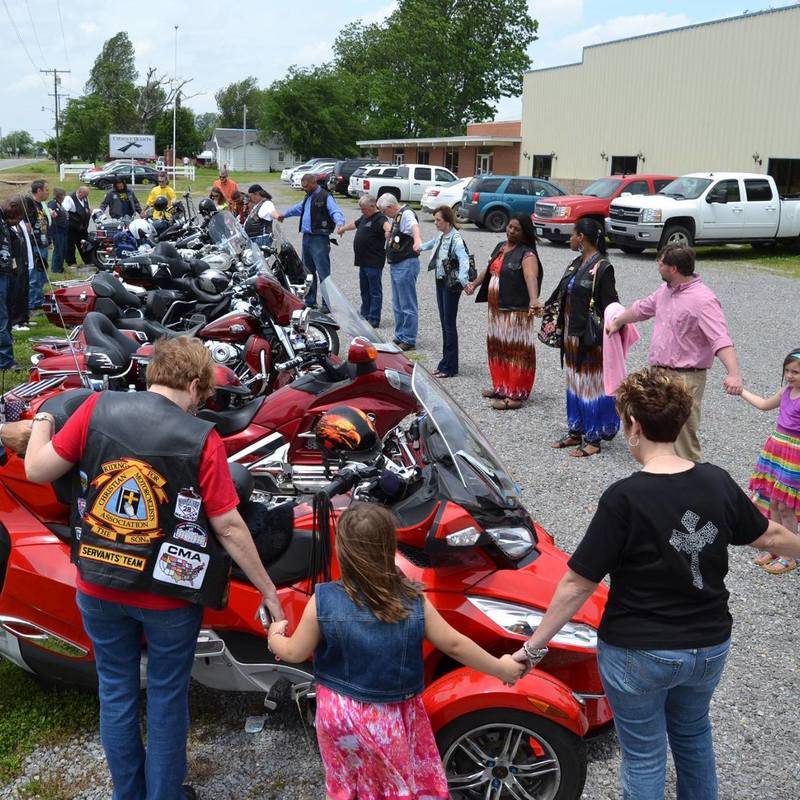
219, 43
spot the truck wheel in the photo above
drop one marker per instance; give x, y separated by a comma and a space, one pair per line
390, 190
505, 753
496, 220
631, 249
676, 234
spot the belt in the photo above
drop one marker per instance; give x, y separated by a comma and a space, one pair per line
681, 369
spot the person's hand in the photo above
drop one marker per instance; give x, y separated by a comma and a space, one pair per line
340, 230
536, 308
15, 435
278, 628
281, 217
733, 384
510, 670
521, 657
469, 288
613, 326
273, 607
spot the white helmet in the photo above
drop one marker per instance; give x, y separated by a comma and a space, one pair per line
142, 229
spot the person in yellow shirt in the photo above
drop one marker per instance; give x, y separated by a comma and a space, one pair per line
164, 189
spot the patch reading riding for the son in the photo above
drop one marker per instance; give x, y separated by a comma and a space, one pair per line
692, 541
187, 505
189, 532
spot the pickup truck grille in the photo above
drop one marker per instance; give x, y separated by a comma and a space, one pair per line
544, 210
624, 214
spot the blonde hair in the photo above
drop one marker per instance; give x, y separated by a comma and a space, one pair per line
366, 542
177, 362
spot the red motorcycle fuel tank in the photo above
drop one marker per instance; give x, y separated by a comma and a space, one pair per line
235, 326
277, 300
73, 301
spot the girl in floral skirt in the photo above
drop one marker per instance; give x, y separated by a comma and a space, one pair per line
365, 633
775, 483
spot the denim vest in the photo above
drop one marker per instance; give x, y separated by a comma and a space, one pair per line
362, 657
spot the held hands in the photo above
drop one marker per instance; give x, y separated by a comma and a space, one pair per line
733, 384
340, 230
469, 288
15, 435
536, 308
280, 218
613, 326
509, 670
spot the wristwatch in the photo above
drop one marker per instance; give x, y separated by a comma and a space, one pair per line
43, 415
534, 654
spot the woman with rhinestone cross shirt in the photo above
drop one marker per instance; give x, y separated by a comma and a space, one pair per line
662, 534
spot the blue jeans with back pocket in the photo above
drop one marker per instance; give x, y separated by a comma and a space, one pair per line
660, 695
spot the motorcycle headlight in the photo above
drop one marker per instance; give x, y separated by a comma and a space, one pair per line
561, 211
651, 215
523, 621
515, 541
248, 259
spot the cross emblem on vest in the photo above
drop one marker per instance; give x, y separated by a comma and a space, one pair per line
692, 541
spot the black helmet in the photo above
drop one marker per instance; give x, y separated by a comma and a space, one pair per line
344, 431
161, 203
207, 207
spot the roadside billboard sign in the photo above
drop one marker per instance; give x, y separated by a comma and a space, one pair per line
131, 145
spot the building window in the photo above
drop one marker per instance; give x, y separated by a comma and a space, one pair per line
542, 167
624, 165
451, 161
281, 156
786, 172
399, 156
423, 156
483, 162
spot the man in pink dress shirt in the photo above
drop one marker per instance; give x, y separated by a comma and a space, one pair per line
690, 330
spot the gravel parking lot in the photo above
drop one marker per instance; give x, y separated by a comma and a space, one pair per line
754, 710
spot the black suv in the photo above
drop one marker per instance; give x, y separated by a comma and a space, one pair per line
339, 179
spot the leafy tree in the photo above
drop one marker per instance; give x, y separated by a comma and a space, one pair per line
188, 141
17, 143
205, 124
86, 123
232, 99
435, 65
313, 111
113, 80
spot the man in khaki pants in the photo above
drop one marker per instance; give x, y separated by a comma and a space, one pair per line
690, 330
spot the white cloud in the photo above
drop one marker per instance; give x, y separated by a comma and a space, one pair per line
554, 15
621, 28
379, 15
314, 54
89, 27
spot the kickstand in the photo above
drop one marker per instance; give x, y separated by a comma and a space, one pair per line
303, 691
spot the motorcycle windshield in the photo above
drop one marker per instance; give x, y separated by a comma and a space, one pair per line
226, 232
351, 323
478, 466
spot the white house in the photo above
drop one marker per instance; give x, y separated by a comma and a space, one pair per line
243, 151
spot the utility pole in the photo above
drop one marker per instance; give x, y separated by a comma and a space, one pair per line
56, 81
244, 139
175, 104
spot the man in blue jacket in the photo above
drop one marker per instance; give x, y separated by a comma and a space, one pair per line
319, 218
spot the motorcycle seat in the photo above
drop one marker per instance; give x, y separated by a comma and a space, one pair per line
103, 339
154, 330
106, 285
235, 420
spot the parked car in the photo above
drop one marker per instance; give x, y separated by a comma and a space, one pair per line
322, 168
490, 200
342, 170
361, 179
707, 208
288, 173
140, 175
555, 219
87, 173
450, 195
411, 181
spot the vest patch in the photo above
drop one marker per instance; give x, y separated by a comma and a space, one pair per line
187, 505
180, 565
112, 557
194, 534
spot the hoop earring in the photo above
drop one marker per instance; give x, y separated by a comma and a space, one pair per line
631, 442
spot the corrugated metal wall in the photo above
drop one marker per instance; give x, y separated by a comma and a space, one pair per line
699, 98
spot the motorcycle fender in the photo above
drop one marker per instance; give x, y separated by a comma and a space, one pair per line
323, 319
465, 690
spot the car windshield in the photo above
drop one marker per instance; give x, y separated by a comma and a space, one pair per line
351, 323
686, 188
471, 454
603, 187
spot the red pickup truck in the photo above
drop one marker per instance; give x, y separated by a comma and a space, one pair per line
555, 217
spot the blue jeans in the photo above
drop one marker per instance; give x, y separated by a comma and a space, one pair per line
404, 299
317, 258
59, 249
116, 631
6, 347
447, 302
37, 279
660, 694
369, 279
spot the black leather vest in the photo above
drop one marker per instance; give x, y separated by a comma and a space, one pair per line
78, 219
400, 245
321, 220
513, 289
138, 519
255, 225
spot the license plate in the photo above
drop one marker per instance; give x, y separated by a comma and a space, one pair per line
540, 231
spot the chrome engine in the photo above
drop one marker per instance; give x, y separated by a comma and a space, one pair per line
225, 352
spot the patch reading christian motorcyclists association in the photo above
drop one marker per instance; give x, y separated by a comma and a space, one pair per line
126, 504
191, 533
181, 565
112, 557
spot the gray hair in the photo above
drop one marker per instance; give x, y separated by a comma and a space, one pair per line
367, 201
386, 201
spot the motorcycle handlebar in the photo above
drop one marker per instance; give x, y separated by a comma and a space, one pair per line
344, 481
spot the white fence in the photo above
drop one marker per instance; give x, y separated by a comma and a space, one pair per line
72, 169
181, 172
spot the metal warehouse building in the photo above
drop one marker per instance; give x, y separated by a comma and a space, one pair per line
721, 95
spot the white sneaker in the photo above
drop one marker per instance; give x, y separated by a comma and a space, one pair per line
20, 328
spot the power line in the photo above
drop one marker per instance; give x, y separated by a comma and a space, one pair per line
35, 33
21, 40
56, 110
63, 38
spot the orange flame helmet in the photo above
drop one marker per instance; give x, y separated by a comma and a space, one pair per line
346, 430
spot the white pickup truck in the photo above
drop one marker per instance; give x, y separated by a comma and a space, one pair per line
411, 181
706, 208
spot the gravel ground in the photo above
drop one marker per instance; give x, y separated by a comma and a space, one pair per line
755, 727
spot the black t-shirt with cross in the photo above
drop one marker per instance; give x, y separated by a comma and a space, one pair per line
369, 244
664, 541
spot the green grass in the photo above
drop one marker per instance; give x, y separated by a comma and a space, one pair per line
779, 258
32, 714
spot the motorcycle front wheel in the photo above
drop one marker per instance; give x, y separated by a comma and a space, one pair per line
324, 333
507, 754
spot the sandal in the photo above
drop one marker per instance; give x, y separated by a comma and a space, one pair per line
782, 565
584, 452
490, 394
439, 374
506, 404
566, 441
765, 559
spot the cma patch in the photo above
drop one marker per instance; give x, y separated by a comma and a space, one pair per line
187, 505
112, 557
180, 565
191, 533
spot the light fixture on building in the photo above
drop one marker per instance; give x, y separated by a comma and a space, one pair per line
757, 158
604, 156
640, 156
553, 155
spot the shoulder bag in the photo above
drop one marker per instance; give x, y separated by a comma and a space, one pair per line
452, 267
593, 334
